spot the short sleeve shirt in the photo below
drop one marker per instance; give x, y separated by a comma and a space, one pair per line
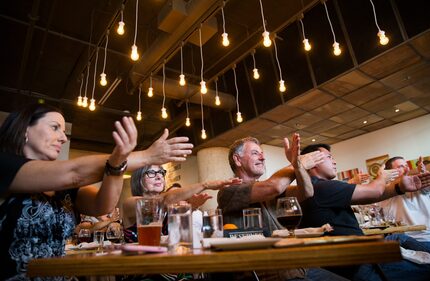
331, 204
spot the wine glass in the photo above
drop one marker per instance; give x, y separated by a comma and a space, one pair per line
84, 235
114, 232
288, 213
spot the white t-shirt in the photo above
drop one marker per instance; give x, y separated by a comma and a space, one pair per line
412, 208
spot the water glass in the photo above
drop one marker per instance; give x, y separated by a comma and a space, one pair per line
252, 218
180, 228
149, 219
213, 224
99, 238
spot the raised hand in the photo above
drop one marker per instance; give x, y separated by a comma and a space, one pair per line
166, 150
414, 183
420, 165
218, 184
198, 199
125, 137
311, 159
292, 152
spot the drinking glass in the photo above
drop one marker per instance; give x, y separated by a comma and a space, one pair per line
99, 238
114, 232
180, 228
84, 235
288, 213
213, 224
252, 218
149, 219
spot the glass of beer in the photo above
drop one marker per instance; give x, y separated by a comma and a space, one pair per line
149, 219
288, 213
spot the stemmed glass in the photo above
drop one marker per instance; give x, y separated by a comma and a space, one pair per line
288, 213
114, 232
84, 235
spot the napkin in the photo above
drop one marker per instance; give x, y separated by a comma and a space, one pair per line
415, 256
87, 246
303, 231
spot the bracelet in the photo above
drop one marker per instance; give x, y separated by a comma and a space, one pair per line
115, 171
398, 190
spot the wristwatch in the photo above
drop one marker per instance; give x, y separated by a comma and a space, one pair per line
115, 171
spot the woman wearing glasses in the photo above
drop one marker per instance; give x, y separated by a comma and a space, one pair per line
150, 180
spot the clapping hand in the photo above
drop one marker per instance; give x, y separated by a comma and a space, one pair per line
125, 137
292, 152
415, 183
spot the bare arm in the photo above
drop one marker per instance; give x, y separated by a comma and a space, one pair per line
95, 202
39, 176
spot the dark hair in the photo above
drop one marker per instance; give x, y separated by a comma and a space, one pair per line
389, 162
315, 147
137, 187
14, 127
237, 147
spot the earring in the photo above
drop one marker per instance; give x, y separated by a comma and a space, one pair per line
26, 139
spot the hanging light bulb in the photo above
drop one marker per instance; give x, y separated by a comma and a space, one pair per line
139, 116
187, 122
134, 54
266, 39
336, 49
239, 118
121, 24
150, 92
92, 104
217, 100
203, 88
85, 102
79, 101
225, 41
256, 74
282, 87
120, 29
383, 39
203, 134
103, 80
182, 80
163, 113
307, 45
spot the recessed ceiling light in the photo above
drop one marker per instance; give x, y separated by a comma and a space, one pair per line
397, 110
313, 140
365, 122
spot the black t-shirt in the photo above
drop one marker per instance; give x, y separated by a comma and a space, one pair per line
31, 225
9, 166
331, 204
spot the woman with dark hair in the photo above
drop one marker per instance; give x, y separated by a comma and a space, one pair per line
43, 196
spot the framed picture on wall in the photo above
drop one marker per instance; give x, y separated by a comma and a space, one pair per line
375, 163
347, 175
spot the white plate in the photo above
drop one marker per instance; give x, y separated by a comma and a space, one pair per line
309, 234
241, 244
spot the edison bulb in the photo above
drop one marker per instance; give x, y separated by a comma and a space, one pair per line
134, 54
383, 40
150, 92
336, 49
139, 116
308, 46
92, 104
282, 87
120, 29
239, 118
225, 41
266, 39
103, 80
217, 100
164, 113
203, 88
182, 80
187, 122
256, 74
85, 102
204, 134
79, 101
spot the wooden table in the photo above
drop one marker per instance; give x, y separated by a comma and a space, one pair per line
209, 261
394, 229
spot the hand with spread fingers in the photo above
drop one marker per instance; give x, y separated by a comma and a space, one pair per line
166, 150
292, 151
414, 183
125, 138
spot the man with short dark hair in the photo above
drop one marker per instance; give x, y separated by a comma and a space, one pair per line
332, 202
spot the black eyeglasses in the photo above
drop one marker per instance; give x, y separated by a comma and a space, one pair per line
152, 173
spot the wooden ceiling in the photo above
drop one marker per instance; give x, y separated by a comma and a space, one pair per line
46, 46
